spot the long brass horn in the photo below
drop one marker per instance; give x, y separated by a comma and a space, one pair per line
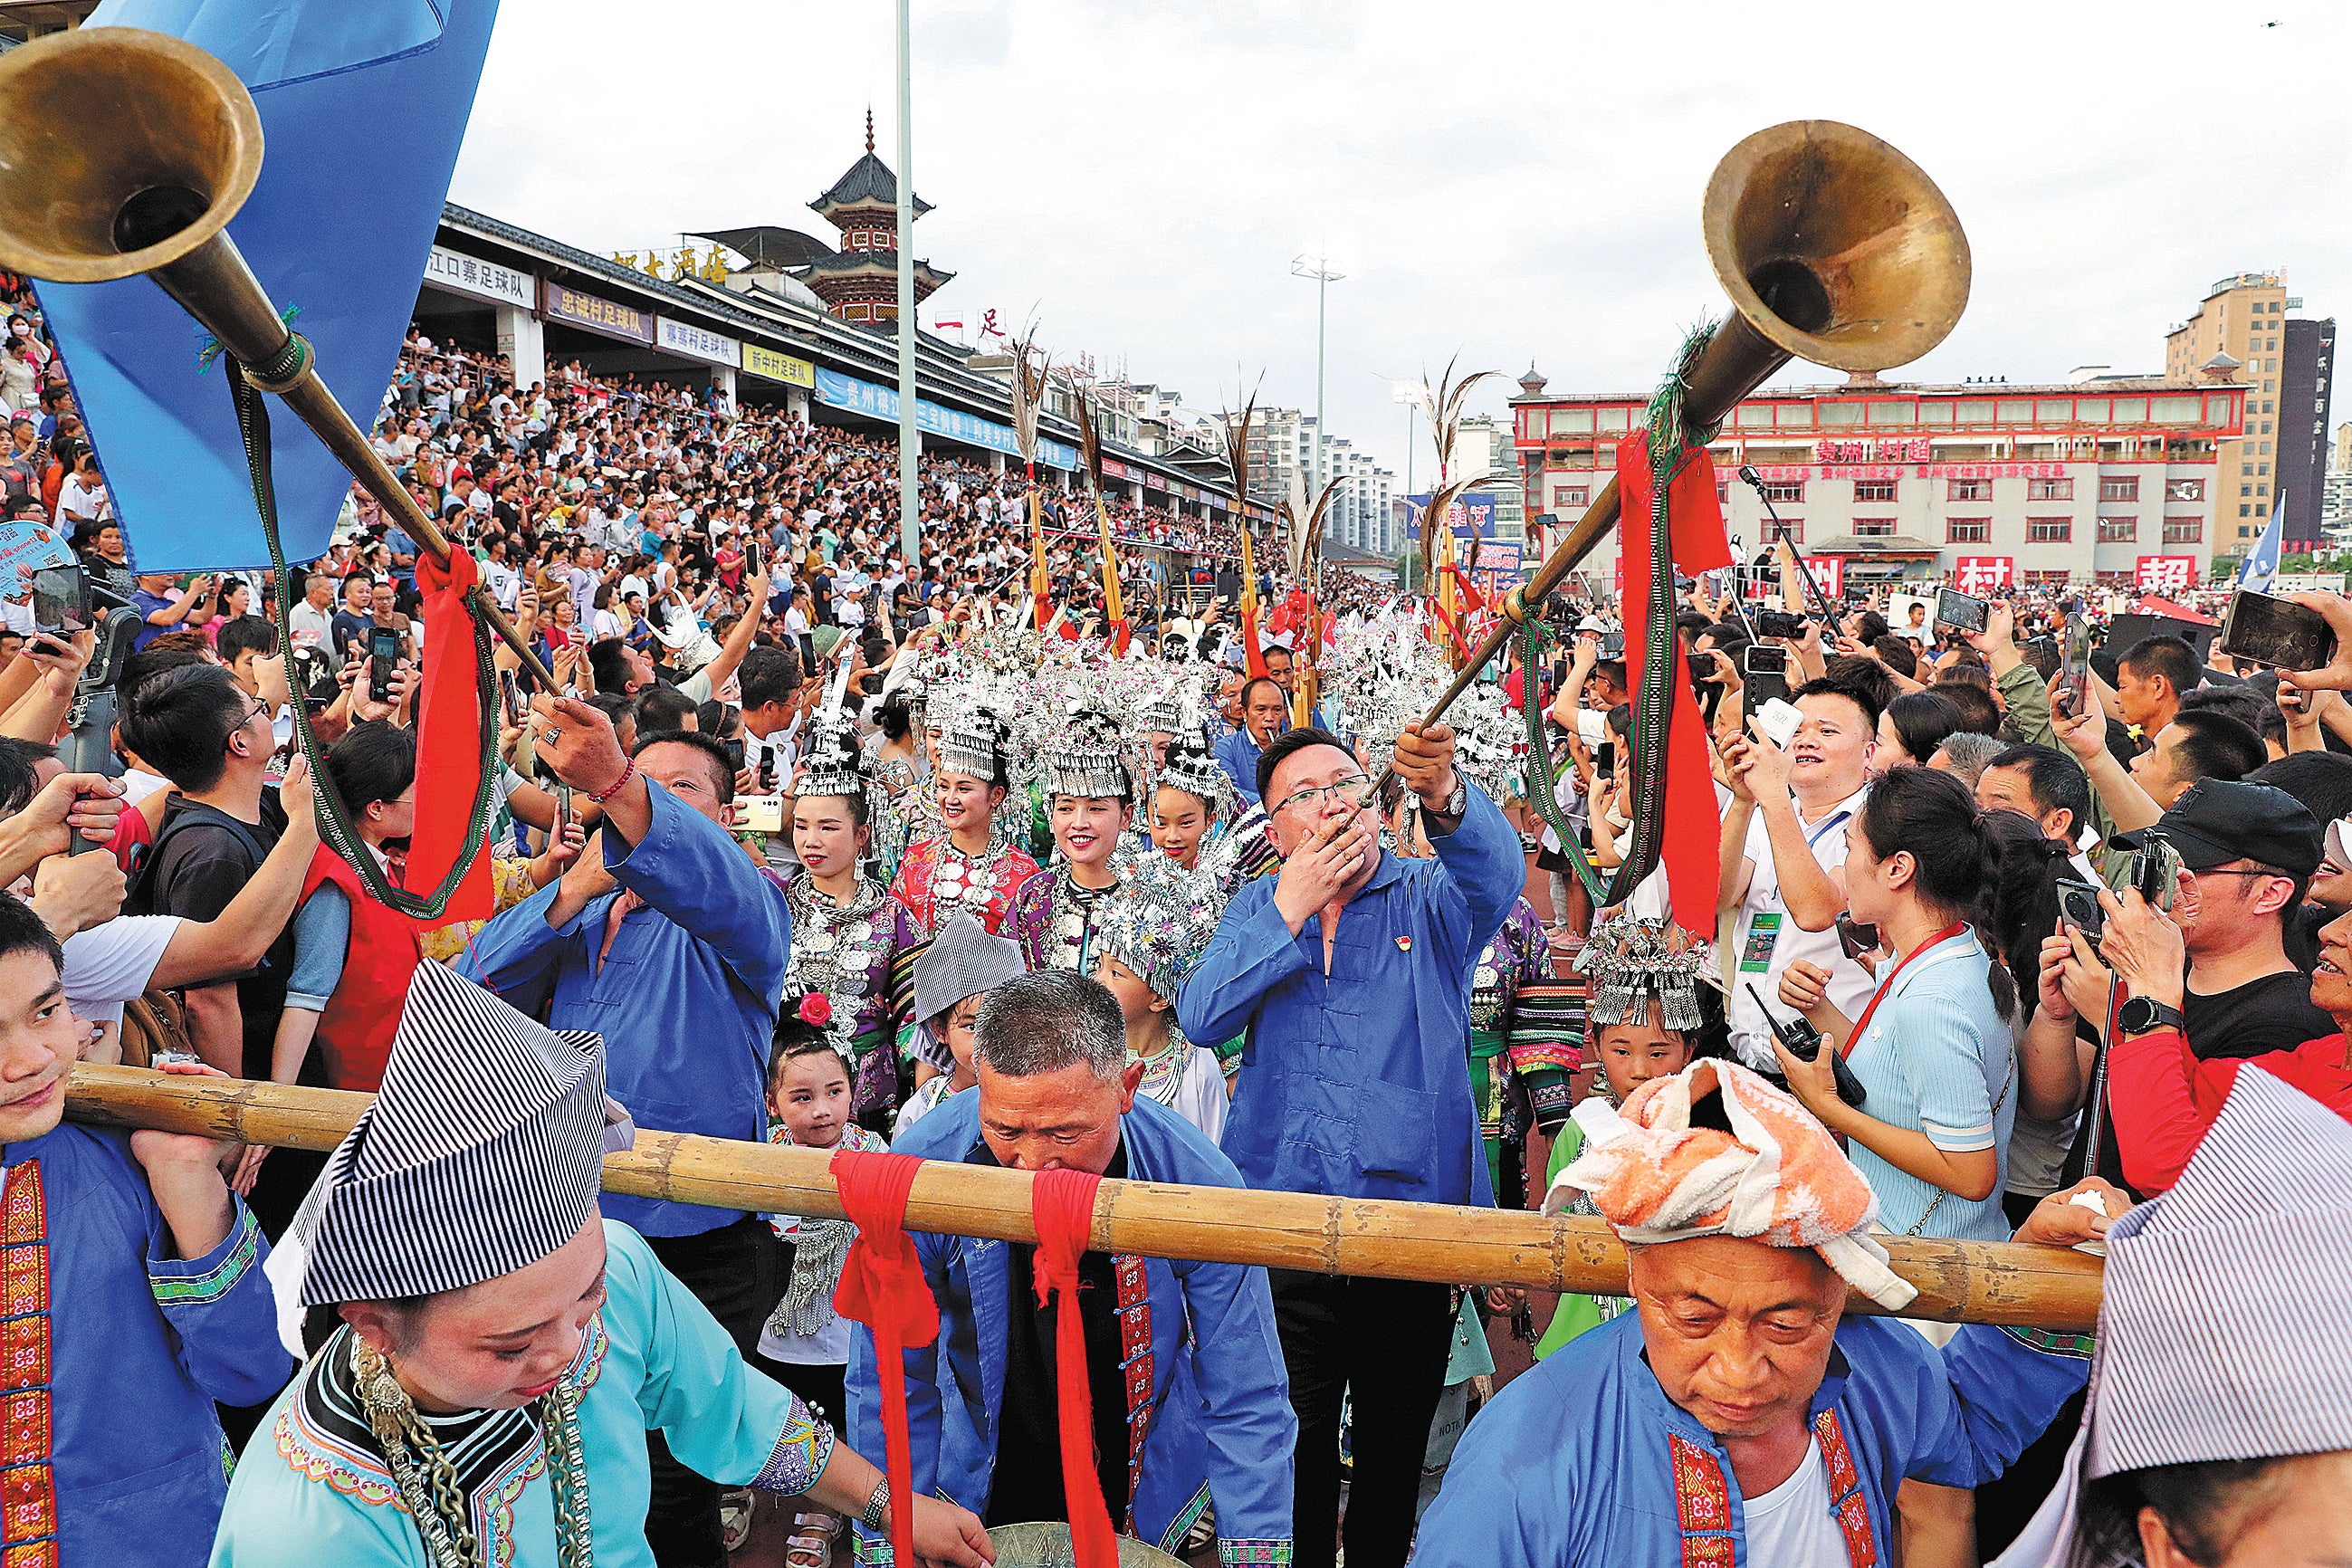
1835, 247
123, 151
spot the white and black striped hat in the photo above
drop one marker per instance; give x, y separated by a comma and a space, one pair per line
2224, 1296
482, 1153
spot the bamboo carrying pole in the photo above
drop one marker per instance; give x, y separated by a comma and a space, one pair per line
1960, 1281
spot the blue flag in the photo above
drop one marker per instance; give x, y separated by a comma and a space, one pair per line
363, 105
2261, 563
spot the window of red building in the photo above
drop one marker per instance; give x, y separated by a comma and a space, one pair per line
1967, 531
2119, 529
2049, 530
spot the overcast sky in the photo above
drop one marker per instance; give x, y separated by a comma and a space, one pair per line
1498, 180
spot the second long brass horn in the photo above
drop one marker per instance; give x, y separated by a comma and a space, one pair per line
1835, 247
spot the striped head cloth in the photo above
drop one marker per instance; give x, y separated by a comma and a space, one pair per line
1716, 1150
2225, 1294
482, 1153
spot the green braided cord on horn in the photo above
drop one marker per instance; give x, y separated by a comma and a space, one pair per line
1543, 771
335, 826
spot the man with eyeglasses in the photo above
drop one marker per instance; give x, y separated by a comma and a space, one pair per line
1349, 975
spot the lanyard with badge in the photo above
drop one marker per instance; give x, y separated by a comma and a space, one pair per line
1764, 926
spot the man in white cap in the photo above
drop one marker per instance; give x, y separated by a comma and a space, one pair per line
502, 1348
1737, 1416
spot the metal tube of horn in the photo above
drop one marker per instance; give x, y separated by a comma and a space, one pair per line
150, 187
1833, 248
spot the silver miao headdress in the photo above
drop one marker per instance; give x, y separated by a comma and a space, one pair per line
833, 762
971, 740
1629, 960
1088, 758
1192, 767
1158, 922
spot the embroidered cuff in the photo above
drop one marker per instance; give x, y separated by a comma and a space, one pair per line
2078, 1346
873, 1548
1230, 1553
799, 1456
200, 1281
1548, 1094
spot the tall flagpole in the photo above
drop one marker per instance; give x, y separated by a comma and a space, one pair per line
911, 439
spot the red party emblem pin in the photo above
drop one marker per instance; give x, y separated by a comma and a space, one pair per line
1404, 945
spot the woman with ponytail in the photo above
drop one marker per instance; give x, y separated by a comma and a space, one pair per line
1934, 1048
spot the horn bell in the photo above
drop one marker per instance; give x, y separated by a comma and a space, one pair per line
1836, 247
121, 152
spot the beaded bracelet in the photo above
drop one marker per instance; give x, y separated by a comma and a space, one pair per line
628, 771
877, 1506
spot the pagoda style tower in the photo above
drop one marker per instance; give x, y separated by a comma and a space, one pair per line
859, 282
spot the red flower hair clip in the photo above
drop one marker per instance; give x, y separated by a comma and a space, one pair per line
816, 1009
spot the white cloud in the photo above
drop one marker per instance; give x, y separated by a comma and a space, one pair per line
1503, 181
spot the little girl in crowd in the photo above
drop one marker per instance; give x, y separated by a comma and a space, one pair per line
1644, 1010
804, 1344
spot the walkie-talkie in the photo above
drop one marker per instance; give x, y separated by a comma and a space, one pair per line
1803, 1042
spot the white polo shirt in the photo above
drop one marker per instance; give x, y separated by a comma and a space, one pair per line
1767, 936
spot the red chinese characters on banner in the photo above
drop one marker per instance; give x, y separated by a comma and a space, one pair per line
1979, 575
1829, 571
2165, 574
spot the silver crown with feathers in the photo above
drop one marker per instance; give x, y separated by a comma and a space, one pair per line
1088, 758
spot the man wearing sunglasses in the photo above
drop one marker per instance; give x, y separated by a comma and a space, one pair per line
1349, 976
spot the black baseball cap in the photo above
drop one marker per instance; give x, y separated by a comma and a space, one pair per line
2219, 821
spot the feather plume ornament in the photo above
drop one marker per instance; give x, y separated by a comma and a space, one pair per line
1028, 394
1090, 461
1237, 459
1442, 404
1302, 539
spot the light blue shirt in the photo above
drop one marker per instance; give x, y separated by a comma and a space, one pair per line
1938, 1058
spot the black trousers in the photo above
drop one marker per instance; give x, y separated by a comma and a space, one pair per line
731, 1271
1384, 1343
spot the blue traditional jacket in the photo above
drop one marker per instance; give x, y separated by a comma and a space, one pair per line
1584, 1461
1208, 1402
314, 1489
687, 999
1356, 1084
111, 1354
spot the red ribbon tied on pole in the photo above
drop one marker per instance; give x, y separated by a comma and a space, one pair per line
448, 741
882, 1286
1062, 1205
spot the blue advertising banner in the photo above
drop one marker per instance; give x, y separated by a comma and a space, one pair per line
836, 389
1474, 508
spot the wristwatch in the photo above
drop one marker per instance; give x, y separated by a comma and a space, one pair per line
2139, 1014
1459, 801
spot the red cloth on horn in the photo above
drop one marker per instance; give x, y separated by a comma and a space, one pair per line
448, 743
1062, 1204
1696, 539
882, 1286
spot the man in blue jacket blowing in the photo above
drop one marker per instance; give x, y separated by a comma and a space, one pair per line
1349, 975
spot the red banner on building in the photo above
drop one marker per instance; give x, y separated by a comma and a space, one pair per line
2164, 573
1979, 575
1829, 571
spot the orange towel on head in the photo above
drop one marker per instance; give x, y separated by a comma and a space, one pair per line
1777, 1176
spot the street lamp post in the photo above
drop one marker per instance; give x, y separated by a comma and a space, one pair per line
910, 439
1317, 266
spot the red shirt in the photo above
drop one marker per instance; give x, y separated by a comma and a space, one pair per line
2162, 1097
